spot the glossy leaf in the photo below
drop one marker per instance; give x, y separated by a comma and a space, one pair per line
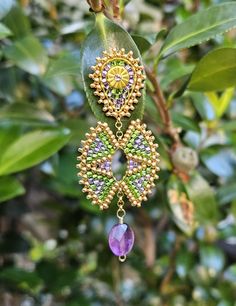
215, 71
25, 113
200, 27
220, 103
10, 188
105, 35
142, 43
61, 85
221, 163
203, 106
28, 54
184, 263
4, 31
22, 278
66, 64
17, 22
184, 122
32, 148
227, 193
5, 6
8, 134
54, 276
203, 197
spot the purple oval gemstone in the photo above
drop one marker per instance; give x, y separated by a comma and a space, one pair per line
121, 239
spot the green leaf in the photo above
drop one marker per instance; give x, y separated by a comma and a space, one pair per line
215, 71
4, 31
8, 134
61, 85
22, 278
220, 162
32, 148
184, 122
200, 27
220, 103
78, 128
60, 73
105, 35
10, 188
54, 276
184, 263
26, 114
17, 22
203, 197
5, 6
174, 71
142, 43
66, 64
28, 54
227, 193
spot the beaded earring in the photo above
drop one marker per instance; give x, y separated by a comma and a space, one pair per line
117, 80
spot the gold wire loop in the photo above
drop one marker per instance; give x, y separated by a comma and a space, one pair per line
119, 134
120, 212
118, 125
120, 194
122, 258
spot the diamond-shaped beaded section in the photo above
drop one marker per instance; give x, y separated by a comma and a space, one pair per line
142, 162
96, 158
117, 80
95, 165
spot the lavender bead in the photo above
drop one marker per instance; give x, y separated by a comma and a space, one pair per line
121, 239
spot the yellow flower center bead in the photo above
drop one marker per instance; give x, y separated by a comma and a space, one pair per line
117, 77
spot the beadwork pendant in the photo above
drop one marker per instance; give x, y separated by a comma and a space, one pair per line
117, 80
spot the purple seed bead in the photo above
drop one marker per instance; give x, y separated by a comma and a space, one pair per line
121, 239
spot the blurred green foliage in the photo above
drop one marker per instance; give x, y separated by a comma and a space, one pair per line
53, 243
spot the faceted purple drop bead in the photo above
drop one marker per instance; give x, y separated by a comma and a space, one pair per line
121, 239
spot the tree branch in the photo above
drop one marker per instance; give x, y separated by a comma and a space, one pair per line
171, 270
160, 103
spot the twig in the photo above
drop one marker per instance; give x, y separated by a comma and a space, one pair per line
171, 270
96, 5
160, 103
116, 9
